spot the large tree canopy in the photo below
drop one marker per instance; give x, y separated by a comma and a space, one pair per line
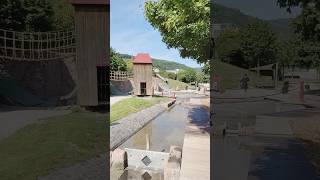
184, 25
35, 15
228, 48
258, 44
117, 63
308, 22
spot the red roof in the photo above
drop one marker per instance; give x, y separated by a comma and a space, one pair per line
142, 58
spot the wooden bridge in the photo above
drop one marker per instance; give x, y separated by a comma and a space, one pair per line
36, 46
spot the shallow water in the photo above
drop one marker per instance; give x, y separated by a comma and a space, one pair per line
164, 131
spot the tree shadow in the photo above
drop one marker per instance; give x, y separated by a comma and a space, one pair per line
199, 120
286, 158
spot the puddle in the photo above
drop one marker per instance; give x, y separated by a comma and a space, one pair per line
164, 131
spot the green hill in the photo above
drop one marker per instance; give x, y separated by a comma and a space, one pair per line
230, 76
168, 65
161, 64
234, 16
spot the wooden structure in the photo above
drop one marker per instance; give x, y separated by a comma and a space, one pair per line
142, 75
120, 75
92, 19
36, 46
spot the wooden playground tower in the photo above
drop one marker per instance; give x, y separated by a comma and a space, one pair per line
89, 43
92, 18
142, 75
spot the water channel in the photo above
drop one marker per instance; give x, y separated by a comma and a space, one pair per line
168, 128
165, 130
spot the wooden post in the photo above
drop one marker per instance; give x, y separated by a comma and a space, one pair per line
147, 142
301, 93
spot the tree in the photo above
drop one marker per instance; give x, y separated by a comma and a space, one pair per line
117, 63
308, 22
172, 75
181, 76
258, 44
12, 15
39, 15
202, 78
187, 76
288, 53
63, 14
228, 47
206, 68
309, 54
184, 25
36, 15
129, 66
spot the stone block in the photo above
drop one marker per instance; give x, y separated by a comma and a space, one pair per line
173, 166
118, 159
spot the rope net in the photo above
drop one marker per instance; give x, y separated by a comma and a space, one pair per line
36, 46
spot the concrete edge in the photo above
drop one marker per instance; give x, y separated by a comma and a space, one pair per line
167, 105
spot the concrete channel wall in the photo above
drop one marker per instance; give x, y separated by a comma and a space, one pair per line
124, 128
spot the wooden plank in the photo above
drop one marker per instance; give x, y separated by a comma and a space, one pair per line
92, 50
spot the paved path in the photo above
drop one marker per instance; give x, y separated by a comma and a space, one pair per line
272, 152
196, 146
12, 121
114, 99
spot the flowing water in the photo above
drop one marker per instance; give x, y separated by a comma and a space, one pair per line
164, 131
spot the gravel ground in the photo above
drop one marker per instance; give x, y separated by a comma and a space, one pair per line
125, 127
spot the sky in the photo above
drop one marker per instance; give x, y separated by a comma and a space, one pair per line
131, 33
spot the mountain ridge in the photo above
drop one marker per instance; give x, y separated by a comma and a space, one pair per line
161, 63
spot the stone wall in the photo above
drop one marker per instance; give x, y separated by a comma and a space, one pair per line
45, 79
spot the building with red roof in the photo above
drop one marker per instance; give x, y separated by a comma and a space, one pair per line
142, 74
142, 58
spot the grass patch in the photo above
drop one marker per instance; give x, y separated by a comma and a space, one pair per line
178, 84
125, 107
230, 76
52, 143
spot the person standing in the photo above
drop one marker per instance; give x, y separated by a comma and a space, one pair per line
244, 82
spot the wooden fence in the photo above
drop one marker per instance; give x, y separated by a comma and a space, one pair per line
120, 75
36, 46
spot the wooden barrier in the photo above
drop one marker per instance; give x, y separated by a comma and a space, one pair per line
120, 75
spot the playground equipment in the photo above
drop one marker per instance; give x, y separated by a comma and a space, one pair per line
92, 55
142, 74
36, 46
88, 42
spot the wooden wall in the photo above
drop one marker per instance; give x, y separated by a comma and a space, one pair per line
142, 73
92, 39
